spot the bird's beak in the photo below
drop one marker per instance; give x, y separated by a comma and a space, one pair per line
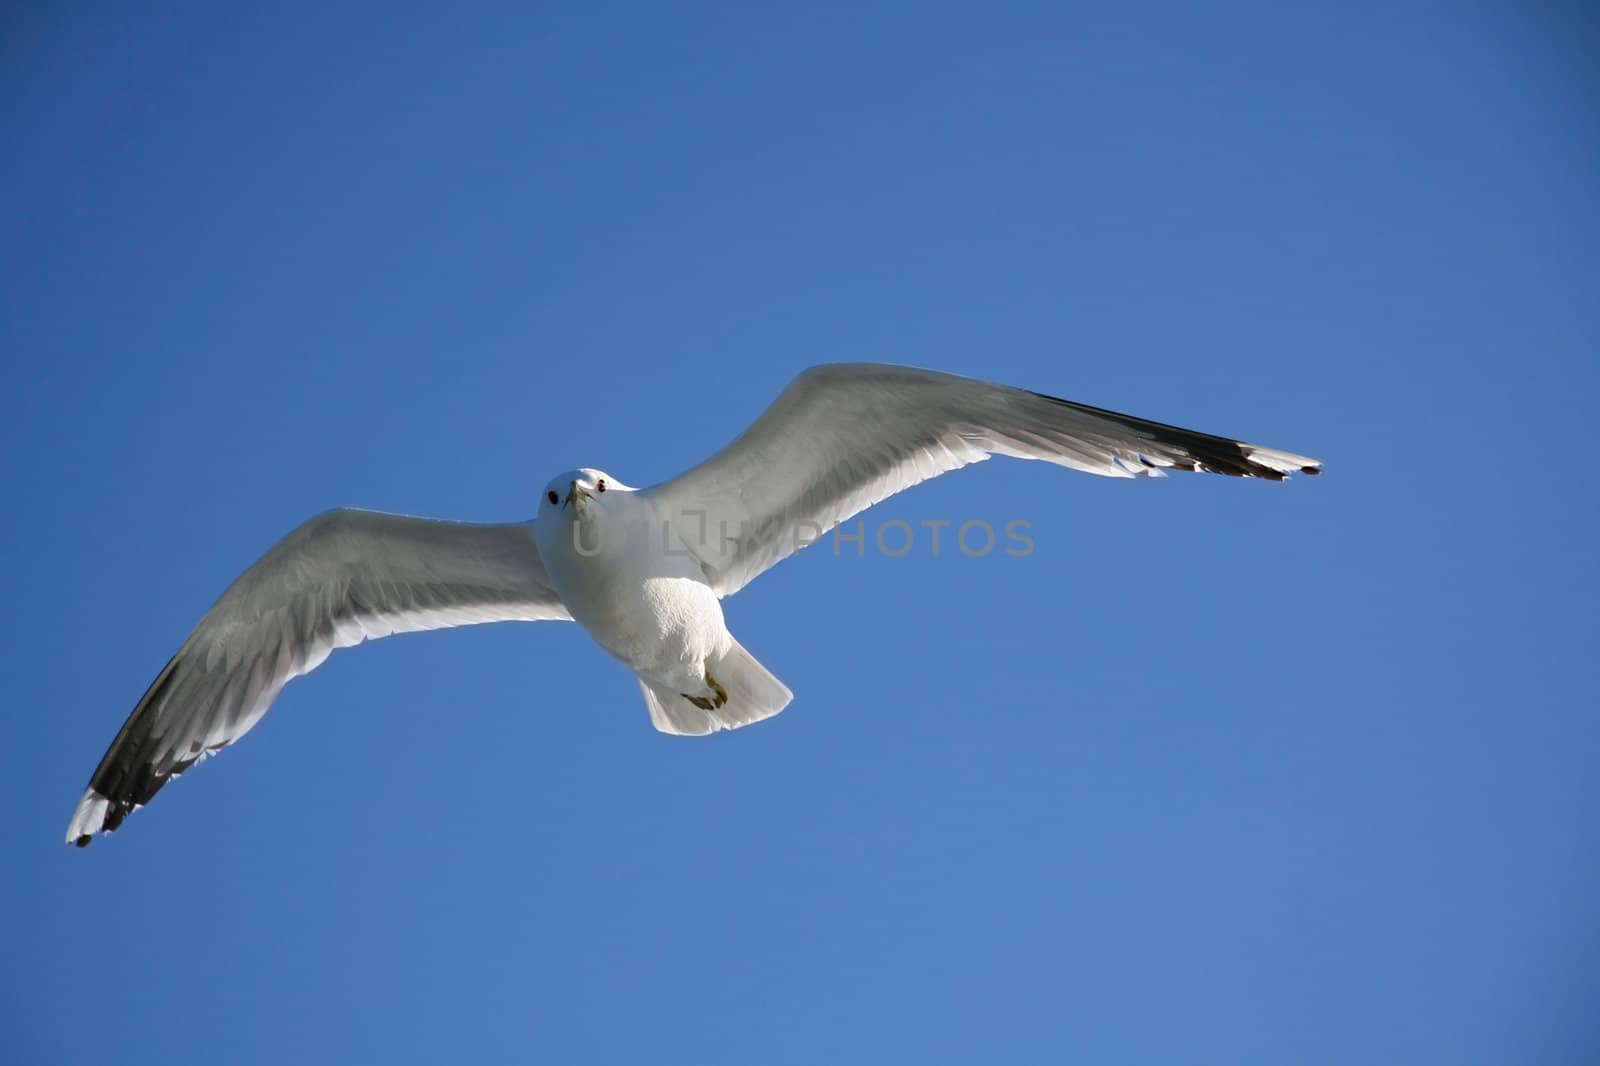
575, 491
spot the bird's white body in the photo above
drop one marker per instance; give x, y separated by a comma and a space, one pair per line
628, 580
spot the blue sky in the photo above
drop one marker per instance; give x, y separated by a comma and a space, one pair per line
1221, 772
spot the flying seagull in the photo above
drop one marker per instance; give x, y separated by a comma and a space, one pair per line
642, 570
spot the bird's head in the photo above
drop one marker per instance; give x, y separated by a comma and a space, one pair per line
578, 493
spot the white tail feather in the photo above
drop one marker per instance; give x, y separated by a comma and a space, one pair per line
753, 694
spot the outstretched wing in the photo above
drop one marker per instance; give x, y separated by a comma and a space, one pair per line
340, 578
842, 437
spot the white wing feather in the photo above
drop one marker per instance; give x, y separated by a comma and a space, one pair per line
842, 437
340, 578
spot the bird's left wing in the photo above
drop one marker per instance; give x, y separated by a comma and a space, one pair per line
842, 437
340, 578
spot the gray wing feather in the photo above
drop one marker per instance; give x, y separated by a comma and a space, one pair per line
340, 578
842, 437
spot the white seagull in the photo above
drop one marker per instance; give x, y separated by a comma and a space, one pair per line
642, 570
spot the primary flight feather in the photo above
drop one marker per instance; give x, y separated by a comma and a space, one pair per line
642, 570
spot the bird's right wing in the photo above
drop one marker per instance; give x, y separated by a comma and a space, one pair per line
340, 578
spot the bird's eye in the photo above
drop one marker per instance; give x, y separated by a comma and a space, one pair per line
552, 497
600, 486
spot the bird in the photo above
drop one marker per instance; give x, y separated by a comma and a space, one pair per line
643, 571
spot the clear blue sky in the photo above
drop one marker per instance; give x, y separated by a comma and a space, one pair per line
1223, 772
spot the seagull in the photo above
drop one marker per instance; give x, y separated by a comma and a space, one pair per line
644, 571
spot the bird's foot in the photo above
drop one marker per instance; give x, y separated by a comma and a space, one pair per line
718, 697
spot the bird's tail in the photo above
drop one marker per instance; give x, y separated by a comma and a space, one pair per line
753, 694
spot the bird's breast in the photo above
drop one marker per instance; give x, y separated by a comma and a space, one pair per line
637, 597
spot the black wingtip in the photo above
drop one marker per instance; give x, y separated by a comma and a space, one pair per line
84, 840
1213, 454
133, 770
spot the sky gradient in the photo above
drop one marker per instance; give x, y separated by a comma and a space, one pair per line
1221, 771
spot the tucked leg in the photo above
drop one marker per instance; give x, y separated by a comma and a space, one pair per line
718, 697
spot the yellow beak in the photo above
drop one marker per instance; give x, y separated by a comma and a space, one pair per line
575, 491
